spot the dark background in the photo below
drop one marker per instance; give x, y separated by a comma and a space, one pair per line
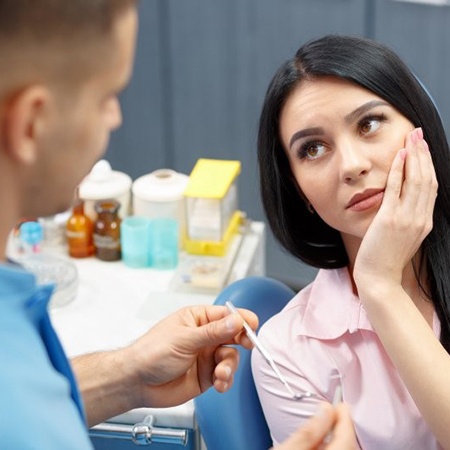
203, 66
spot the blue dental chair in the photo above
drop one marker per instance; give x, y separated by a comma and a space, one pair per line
234, 420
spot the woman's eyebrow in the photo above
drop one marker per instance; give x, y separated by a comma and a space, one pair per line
306, 132
351, 117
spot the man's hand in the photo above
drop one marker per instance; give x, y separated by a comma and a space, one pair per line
188, 352
176, 360
330, 429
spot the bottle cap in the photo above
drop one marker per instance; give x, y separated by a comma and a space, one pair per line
103, 182
109, 206
31, 233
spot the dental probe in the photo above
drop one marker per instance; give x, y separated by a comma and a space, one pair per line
337, 395
267, 356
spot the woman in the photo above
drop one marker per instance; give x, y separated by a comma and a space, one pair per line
352, 151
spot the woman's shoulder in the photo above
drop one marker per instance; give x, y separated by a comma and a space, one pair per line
330, 288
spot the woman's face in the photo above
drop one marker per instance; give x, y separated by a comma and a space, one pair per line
340, 140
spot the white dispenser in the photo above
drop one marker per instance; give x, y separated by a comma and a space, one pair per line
104, 183
160, 194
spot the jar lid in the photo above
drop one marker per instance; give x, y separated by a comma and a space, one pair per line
163, 185
103, 182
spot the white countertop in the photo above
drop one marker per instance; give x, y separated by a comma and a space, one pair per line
116, 304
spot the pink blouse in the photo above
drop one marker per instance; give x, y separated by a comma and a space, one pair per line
322, 339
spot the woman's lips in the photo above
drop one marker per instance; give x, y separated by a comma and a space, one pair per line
366, 200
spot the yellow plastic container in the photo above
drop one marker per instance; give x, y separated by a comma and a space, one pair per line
212, 215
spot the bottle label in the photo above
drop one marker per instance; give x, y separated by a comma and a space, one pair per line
105, 242
76, 234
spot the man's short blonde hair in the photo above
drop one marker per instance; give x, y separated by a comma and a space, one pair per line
68, 20
55, 39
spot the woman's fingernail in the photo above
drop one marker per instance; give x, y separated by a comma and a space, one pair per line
419, 133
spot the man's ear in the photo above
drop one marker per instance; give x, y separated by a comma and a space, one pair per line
23, 118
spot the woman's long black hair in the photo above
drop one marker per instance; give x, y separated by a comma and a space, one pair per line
377, 68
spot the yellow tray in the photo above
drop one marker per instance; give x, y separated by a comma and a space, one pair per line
215, 248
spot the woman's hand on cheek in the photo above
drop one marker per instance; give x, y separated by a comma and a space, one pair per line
404, 219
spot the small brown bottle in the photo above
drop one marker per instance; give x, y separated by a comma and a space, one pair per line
107, 230
79, 232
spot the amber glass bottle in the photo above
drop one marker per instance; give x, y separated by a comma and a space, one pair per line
79, 231
107, 230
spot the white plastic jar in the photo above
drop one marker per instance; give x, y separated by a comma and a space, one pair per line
103, 183
159, 194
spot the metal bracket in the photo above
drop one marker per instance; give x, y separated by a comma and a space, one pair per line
142, 433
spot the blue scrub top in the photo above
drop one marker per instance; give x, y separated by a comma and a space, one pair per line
40, 405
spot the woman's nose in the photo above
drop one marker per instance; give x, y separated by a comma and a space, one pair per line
354, 162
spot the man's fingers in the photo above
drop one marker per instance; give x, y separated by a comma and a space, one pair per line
343, 433
226, 330
227, 361
312, 433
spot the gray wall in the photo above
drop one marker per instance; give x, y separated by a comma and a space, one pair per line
203, 66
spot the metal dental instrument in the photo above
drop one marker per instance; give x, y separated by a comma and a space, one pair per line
267, 356
337, 395
337, 398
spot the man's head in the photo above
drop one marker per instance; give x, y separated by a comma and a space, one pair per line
54, 37
62, 65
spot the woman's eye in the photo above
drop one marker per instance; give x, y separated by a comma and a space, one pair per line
312, 150
370, 125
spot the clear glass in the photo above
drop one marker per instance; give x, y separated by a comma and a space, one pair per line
51, 269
